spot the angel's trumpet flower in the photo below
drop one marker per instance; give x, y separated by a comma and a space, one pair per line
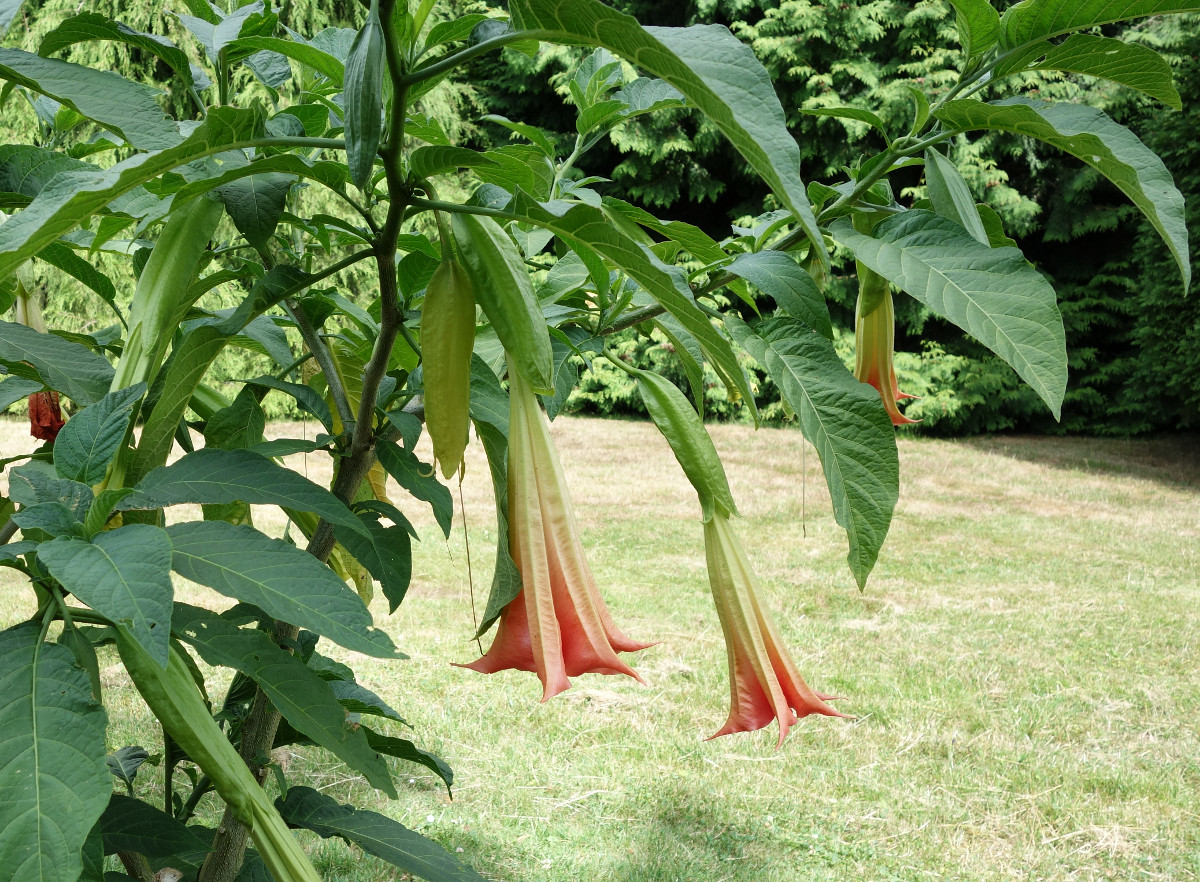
875, 340
45, 414
764, 684
557, 626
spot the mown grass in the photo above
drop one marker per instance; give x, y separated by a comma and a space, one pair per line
1022, 671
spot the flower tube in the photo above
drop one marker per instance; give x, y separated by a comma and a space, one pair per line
875, 340
558, 625
764, 683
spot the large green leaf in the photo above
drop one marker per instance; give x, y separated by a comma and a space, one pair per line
402, 748
845, 420
118, 104
1130, 64
124, 574
991, 293
592, 229
711, 67
130, 824
256, 203
8, 11
69, 368
418, 479
306, 701
86, 444
951, 195
25, 169
978, 26
88, 26
283, 580
778, 275
1091, 136
374, 833
56, 783
309, 55
73, 196
387, 555
214, 477
1033, 20
73, 265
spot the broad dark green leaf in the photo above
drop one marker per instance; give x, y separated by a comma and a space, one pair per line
74, 370
978, 26
215, 477
88, 441
256, 203
844, 420
281, 579
667, 284
363, 97
130, 824
36, 483
52, 518
712, 68
950, 195
118, 104
374, 833
358, 699
331, 174
88, 26
125, 762
991, 293
237, 426
404, 749
387, 555
418, 479
56, 783
8, 11
1130, 64
506, 578
13, 389
305, 397
778, 275
1034, 20
102, 509
312, 56
93, 856
72, 197
306, 701
124, 574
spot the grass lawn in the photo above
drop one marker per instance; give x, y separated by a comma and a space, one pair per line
1022, 670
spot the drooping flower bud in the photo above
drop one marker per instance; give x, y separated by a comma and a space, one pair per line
875, 340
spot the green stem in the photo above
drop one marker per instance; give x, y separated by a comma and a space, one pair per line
461, 57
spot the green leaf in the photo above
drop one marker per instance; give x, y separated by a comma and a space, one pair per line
88, 441
363, 96
425, 162
73, 265
8, 11
454, 30
124, 574
1130, 64
305, 397
374, 833
214, 477
418, 479
978, 26
312, 56
359, 699
306, 701
711, 67
102, 509
239, 425
855, 113
130, 824
56, 783
950, 195
14, 389
845, 420
124, 762
35, 483
89, 26
387, 555
69, 368
72, 197
992, 222
1038, 19
991, 293
284, 581
256, 203
404, 749
118, 104
591, 228
778, 275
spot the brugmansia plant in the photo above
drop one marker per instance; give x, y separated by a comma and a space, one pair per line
300, 156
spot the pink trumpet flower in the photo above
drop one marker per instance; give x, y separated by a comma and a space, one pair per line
763, 681
874, 341
557, 626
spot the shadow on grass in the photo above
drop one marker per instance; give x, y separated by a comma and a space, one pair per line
683, 836
1173, 460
